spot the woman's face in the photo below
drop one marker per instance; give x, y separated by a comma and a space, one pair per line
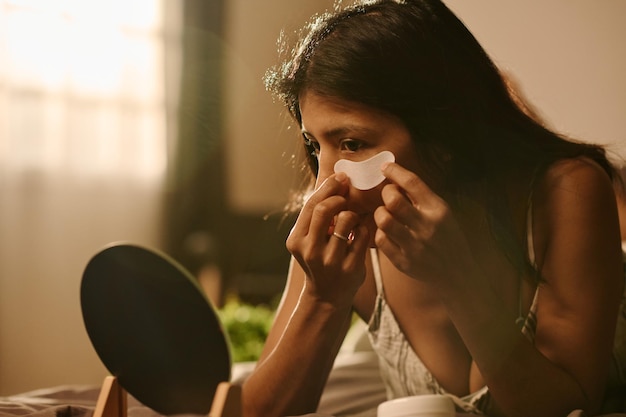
340, 129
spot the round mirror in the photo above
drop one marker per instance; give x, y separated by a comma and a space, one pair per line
154, 329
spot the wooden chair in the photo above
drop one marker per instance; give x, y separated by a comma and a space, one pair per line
112, 400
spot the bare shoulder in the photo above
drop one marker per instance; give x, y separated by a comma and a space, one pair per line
576, 225
578, 192
577, 176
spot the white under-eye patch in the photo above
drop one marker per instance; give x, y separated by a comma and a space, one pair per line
365, 175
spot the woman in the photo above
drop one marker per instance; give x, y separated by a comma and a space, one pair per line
488, 262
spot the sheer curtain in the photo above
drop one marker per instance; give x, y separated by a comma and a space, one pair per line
83, 132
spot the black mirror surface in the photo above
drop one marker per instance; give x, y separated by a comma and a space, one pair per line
154, 329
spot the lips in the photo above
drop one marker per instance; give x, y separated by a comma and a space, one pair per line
365, 175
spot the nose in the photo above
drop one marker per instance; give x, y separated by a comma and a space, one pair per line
326, 166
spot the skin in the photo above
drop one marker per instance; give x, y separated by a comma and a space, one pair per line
453, 292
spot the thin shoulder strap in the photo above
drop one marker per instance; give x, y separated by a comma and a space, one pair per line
521, 319
529, 322
530, 241
378, 276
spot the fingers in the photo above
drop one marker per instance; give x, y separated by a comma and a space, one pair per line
348, 243
393, 250
407, 199
342, 234
321, 207
357, 248
398, 206
324, 224
324, 219
330, 243
390, 227
399, 220
413, 223
412, 185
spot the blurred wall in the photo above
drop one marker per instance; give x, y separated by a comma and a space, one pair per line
259, 138
82, 157
568, 57
42, 338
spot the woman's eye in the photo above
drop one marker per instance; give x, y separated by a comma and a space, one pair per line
351, 145
312, 145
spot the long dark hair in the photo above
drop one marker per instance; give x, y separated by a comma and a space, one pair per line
416, 60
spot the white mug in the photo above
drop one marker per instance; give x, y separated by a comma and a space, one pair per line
418, 406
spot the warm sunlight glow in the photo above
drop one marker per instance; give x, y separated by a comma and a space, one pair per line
81, 87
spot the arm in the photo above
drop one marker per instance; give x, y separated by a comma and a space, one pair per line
577, 240
315, 311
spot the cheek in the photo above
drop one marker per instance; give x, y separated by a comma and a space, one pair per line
365, 202
408, 160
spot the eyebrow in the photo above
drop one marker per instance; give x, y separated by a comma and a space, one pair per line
342, 131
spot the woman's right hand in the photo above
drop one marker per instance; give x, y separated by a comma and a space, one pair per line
334, 265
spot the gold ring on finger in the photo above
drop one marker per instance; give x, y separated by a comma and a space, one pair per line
340, 236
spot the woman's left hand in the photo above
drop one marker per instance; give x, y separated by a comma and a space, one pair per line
416, 229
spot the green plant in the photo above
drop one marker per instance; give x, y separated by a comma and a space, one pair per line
247, 327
